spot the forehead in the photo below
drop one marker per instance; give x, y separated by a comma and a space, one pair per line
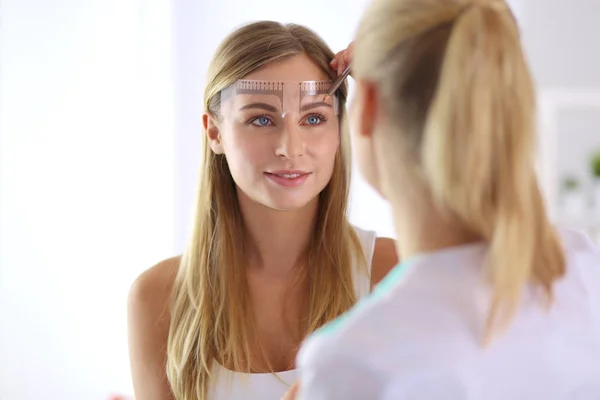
295, 68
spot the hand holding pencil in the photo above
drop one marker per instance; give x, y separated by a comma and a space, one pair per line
341, 62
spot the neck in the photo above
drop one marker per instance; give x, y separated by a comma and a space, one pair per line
422, 228
277, 239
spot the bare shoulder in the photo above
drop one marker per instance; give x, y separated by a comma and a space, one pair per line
385, 257
153, 286
148, 315
149, 298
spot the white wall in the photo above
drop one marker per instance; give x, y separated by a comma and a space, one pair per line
86, 187
561, 40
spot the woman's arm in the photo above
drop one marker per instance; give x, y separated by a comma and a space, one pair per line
385, 257
148, 329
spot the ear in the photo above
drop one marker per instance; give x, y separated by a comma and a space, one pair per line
211, 128
368, 107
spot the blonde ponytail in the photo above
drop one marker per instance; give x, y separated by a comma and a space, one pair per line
478, 149
458, 73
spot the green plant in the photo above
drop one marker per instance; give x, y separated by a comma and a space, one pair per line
595, 164
570, 184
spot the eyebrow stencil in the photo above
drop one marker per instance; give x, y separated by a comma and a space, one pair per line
289, 97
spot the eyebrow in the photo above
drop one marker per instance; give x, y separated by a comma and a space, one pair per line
270, 108
314, 105
262, 106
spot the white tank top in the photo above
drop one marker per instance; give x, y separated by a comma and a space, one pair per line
230, 385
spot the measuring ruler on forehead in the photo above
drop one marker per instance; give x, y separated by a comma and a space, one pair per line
282, 89
305, 88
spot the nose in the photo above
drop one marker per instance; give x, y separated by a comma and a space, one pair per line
291, 144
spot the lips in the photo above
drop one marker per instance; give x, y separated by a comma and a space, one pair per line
288, 179
289, 176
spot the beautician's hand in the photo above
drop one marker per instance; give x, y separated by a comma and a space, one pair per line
342, 59
291, 394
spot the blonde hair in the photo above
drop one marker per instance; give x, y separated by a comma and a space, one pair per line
454, 79
211, 319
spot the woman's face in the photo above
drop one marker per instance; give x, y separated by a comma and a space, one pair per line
282, 162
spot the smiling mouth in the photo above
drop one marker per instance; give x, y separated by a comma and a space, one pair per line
288, 178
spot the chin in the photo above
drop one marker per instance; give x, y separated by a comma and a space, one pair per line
287, 203
282, 198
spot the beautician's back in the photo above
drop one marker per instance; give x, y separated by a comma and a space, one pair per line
492, 301
427, 318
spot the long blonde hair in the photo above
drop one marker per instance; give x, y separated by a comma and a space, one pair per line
454, 78
210, 312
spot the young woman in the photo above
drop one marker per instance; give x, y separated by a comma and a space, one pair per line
491, 301
272, 256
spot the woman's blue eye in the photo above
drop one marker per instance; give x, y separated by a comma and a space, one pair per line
261, 121
314, 120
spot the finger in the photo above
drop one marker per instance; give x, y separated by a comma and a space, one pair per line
341, 62
342, 67
336, 60
347, 58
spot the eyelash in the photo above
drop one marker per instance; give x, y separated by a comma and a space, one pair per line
321, 117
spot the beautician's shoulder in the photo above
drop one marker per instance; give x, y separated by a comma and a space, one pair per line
329, 371
352, 332
385, 258
340, 360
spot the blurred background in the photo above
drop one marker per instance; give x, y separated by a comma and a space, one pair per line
100, 124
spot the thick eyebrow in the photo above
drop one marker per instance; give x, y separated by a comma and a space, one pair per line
268, 107
262, 106
314, 105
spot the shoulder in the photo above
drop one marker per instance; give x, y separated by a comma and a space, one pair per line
154, 285
330, 341
149, 295
352, 332
148, 319
341, 359
385, 257
330, 344
380, 253
576, 241
330, 371
582, 253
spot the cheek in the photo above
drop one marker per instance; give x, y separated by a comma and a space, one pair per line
325, 147
243, 153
